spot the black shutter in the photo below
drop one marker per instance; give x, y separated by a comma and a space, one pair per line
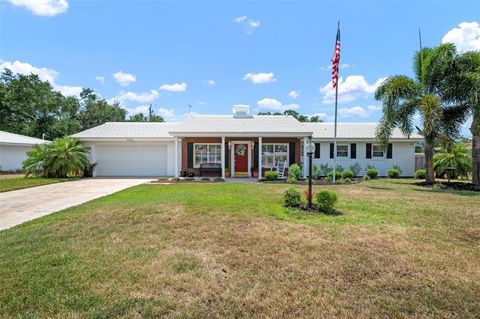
227, 153
331, 150
317, 150
190, 155
353, 150
255, 155
369, 150
291, 157
389, 150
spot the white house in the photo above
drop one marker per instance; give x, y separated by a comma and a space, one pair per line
226, 143
13, 150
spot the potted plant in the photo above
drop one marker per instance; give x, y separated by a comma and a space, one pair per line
183, 173
227, 172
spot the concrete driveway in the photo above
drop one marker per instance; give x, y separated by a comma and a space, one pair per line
19, 206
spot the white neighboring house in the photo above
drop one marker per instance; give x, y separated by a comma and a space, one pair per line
13, 150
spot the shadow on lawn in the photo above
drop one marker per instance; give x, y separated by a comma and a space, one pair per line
447, 191
381, 188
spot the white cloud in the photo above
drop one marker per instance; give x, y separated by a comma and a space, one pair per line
138, 109
167, 114
43, 7
100, 79
144, 97
210, 82
350, 89
240, 19
329, 67
357, 111
270, 104
294, 94
176, 87
69, 90
249, 25
466, 36
373, 108
322, 116
124, 79
259, 78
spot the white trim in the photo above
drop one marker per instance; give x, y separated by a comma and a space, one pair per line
176, 157
276, 143
232, 157
260, 167
222, 150
383, 151
348, 150
241, 134
194, 161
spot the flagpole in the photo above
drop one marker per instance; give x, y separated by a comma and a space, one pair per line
335, 125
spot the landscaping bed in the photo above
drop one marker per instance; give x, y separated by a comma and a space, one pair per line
458, 186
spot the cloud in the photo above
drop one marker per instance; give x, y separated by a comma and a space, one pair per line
43, 7
124, 79
210, 82
167, 114
329, 67
357, 111
259, 78
270, 104
466, 36
176, 87
249, 25
294, 94
100, 79
322, 116
44, 74
350, 89
138, 109
144, 97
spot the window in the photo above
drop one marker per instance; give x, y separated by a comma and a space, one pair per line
342, 150
273, 153
207, 153
377, 151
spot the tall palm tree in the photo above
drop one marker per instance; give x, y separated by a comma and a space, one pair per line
403, 98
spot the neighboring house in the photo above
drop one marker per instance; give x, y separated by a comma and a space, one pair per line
13, 150
233, 143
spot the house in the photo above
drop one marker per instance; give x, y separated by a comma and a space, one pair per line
13, 150
233, 143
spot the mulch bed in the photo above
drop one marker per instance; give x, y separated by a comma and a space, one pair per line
459, 186
314, 182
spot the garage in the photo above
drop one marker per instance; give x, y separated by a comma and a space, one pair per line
131, 160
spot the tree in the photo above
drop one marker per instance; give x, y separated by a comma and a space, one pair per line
295, 114
457, 157
403, 98
96, 111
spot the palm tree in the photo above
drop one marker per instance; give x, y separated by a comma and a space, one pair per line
457, 157
403, 98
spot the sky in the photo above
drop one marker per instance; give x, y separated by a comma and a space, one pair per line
212, 55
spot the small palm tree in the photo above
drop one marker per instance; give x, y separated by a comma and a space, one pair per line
37, 162
456, 157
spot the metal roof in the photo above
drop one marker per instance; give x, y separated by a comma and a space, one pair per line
11, 138
122, 130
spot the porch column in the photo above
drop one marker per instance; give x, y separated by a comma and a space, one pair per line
305, 157
176, 157
259, 157
223, 157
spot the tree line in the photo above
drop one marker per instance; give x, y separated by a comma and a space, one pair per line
30, 106
295, 114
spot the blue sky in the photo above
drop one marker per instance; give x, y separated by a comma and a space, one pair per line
212, 55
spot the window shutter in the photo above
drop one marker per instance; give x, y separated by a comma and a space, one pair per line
369, 150
291, 155
190, 155
389, 150
331, 150
353, 150
255, 155
317, 150
227, 153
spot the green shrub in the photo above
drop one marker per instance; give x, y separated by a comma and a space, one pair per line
366, 178
326, 201
347, 174
397, 167
338, 176
355, 168
372, 173
420, 174
345, 180
317, 172
339, 168
393, 173
292, 198
324, 169
294, 171
291, 179
271, 175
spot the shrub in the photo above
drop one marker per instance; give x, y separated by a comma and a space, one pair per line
458, 157
397, 167
294, 171
271, 175
291, 179
326, 201
307, 194
372, 173
393, 173
339, 168
316, 172
420, 174
355, 168
338, 176
346, 180
324, 169
347, 174
366, 178
292, 198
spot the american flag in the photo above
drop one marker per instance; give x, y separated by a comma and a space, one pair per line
336, 59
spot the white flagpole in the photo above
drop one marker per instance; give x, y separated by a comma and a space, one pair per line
335, 125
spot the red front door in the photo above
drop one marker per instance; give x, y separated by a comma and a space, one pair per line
241, 159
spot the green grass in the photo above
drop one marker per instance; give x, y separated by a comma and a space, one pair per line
231, 250
11, 184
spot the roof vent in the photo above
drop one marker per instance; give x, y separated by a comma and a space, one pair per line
241, 111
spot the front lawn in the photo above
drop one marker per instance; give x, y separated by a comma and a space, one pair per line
11, 184
231, 250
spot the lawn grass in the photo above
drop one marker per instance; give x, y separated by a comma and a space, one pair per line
11, 184
232, 250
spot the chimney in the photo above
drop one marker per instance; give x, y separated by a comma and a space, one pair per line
241, 111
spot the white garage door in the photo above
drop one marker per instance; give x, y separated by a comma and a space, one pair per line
131, 160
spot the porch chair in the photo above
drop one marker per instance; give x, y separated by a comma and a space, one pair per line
280, 168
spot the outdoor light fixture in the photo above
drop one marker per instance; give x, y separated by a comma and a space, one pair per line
311, 148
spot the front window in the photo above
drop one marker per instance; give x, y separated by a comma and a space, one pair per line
207, 153
274, 153
342, 150
377, 151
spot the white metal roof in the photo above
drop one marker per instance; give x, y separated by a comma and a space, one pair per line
227, 125
11, 138
352, 130
123, 130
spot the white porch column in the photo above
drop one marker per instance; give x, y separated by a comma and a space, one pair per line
176, 157
259, 157
223, 157
305, 157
